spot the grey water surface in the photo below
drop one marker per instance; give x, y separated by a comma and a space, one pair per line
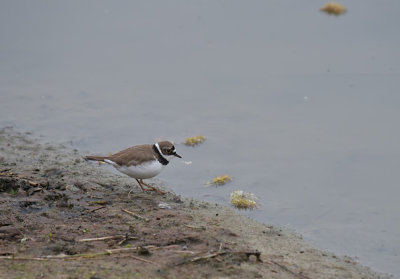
300, 108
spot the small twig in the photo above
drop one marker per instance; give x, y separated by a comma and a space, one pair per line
100, 238
126, 238
16, 176
32, 183
140, 259
207, 256
77, 256
137, 216
98, 202
196, 228
166, 247
86, 256
124, 250
108, 252
93, 210
50, 257
122, 241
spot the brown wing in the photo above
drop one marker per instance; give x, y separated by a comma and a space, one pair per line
134, 155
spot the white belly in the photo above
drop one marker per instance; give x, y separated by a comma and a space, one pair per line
143, 171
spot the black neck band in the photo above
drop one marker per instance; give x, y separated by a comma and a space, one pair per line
160, 157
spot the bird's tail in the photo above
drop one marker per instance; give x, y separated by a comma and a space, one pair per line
96, 158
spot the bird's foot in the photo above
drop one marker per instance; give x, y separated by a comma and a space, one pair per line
149, 188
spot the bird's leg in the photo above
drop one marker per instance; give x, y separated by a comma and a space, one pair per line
151, 188
145, 184
143, 189
141, 186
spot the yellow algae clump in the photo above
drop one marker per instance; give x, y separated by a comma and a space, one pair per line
192, 141
333, 9
242, 200
220, 180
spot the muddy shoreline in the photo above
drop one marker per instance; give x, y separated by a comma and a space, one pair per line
61, 217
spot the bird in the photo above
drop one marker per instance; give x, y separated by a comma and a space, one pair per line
141, 161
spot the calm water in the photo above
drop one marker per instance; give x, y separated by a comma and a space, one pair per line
301, 108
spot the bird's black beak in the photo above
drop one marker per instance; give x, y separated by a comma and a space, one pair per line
177, 155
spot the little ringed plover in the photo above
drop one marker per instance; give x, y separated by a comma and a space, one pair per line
141, 161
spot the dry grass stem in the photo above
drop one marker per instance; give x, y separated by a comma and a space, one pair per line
137, 216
